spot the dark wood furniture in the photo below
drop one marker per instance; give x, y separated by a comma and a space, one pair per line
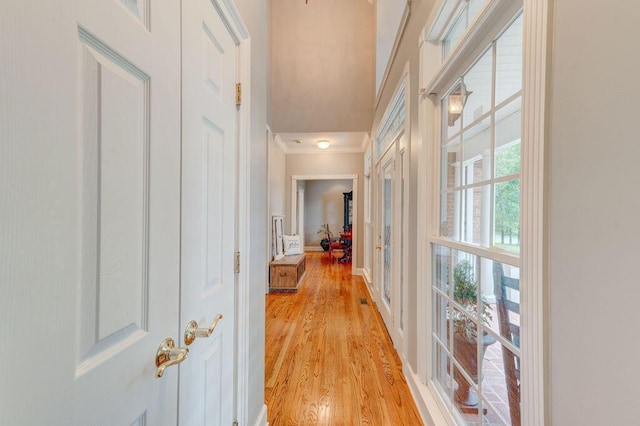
286, 274
511, 330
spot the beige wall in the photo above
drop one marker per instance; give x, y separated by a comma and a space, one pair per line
594, 212
325, 164
408, 52
322, 65
324, 203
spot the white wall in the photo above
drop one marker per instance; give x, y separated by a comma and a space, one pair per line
388, 18
322, 71
594, 212
276, 179
324, 203
330, 164
254, 13
276, 188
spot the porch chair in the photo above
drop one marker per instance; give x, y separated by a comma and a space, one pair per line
511, 331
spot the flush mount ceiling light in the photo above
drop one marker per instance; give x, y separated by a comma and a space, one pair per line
323, 144
457, 100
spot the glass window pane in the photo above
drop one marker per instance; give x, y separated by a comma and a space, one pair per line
508, 134
491, 416
507, 216
451, 157
478, 89
509, 62
454, 35
464, 346
450, 203
474, 7
476, 219
501, 282
442, 277
477, 150
501, 382
440, 317
441, 367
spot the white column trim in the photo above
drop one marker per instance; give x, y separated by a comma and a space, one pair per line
234, 23
533, 279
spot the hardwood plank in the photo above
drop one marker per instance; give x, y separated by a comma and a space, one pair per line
329, 359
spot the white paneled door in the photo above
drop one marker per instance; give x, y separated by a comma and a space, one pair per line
90, 109
208, 214
117, 151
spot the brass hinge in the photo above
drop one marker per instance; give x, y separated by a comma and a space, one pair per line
235, 423
238, 93
236, 263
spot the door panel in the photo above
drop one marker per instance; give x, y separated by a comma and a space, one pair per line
209, 152
128, 204
94, 104
386, 235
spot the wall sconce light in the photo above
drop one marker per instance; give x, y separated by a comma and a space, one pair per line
323, 144
457, 101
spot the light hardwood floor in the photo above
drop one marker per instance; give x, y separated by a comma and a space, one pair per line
329, 359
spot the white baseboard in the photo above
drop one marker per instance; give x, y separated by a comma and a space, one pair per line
426, 403
262, 417
366, 276
313, 248
357, 271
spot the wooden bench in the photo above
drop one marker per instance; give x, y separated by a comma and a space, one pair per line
286, 274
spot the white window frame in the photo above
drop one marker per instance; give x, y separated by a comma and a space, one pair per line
435, 75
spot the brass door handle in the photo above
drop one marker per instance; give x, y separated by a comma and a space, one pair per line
378, 247
192, 331
169, 355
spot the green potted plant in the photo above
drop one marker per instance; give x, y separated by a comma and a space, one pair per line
324, 242
465, 331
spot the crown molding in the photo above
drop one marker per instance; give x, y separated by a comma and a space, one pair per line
280, 144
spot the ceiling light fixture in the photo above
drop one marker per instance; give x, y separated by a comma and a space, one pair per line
323, 144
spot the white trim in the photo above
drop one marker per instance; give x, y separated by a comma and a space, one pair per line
367, 277
365, 142
357, 271
533, 278
401, 90
394, 51
425, 400
233, 21
262, 417
268, 243
280, 143
354, 225
323, 177
438, 22
316, 150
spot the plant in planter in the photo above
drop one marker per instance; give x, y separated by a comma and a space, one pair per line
324, 229
465, 331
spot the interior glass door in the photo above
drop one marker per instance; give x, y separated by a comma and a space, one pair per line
386, 238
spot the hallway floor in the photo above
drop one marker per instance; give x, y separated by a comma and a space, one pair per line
329, 359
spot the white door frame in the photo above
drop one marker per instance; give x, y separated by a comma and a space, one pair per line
300, 214
231, 16
294, 202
